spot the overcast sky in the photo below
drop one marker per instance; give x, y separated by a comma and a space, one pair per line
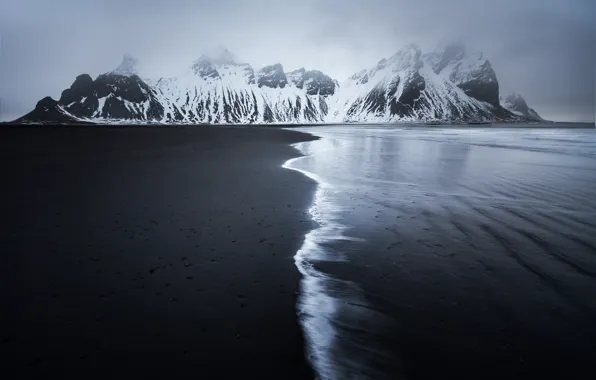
543, 49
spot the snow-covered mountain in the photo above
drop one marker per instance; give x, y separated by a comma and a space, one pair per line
516, 104
450, 84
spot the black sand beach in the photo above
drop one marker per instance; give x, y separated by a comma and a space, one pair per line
151, 252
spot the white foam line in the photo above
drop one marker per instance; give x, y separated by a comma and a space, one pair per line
316, 307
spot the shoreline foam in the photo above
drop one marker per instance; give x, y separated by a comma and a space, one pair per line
318, 308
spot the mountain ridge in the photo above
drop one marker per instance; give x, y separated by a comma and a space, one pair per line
450, 85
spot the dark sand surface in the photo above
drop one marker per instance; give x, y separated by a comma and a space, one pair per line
151, 252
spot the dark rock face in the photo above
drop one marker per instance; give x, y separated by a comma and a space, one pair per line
46, 104
397, 88
482, 85
483, 91
82, 85
85, 107
315, 82
473, 73
132, 88
249, 74
360, 77
383, 98
403, 91
204, 68
452, 53
414, 85
408, 58
364, 79
47, 110
272, 76
517, 104
376, 100
80, 99
296, 77
318, 83
123, 97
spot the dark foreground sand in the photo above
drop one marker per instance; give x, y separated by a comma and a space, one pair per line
151, 252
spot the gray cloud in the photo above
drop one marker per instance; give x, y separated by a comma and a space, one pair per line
543, 49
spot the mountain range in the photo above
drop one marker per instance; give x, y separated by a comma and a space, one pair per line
451, 84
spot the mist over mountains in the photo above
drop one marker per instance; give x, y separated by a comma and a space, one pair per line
450, 84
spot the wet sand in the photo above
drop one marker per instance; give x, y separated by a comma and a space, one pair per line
471, 254
129, 251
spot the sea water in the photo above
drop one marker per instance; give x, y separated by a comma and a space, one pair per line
440, 242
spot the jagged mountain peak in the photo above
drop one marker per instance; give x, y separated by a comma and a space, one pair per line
298, 73
407, 57
452, 53
272, 76
220, 55
317, 83
296, 77
361, 77
204, 68
411, 49
127, 67
274, 67
209, 65
467, 68
358, 74
515, 103
314, 81
450, 84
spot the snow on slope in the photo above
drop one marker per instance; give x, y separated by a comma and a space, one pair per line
233, 97
516, 104
450, 84
410, 86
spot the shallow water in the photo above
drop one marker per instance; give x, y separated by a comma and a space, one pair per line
443, 252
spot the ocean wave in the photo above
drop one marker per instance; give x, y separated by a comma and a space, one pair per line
326, 303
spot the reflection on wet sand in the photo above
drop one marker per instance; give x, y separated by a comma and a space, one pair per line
467, 249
